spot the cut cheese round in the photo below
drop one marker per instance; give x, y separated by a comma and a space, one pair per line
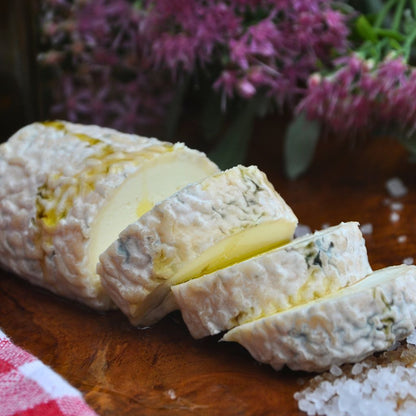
345, 327
302, 270
203, 227
68, 190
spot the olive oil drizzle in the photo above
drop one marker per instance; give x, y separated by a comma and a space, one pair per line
56, 196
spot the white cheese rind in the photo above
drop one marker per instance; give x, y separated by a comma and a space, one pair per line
359, 320
300, 271
161, 248
55, 179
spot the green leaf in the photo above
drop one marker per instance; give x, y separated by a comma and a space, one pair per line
299, 146
232, 149
408, 22
365, 30
390, 33
373, 6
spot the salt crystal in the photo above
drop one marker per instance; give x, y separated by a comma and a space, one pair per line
394, 217
408, 408
171, 394
325, 225
408, 260
357, 369
349, 397
306, 406
396, 188
335, 370
300, 381
377, 388
366, 228
302, 230
396, 206
402, 238
411, 339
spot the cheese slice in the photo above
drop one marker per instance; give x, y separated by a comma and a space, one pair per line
369, 316
69, 189
302, 270
203, 227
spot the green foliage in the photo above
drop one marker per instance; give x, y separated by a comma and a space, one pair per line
299, 147
232, 149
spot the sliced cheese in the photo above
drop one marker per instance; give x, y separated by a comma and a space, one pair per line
369, 316
69, 189
302, 270
203, 227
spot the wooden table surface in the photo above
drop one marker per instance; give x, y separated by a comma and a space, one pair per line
162, 370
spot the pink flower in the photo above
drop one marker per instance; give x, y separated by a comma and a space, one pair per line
246, 88
360, 97
73, 103
122, 58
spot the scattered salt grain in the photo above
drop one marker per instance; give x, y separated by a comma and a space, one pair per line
401, 238
366, 228
396, 188
335, 370
408, 260
394, 217
411, 339
302, 230
171, 394
382, 386
357, 369
396, 206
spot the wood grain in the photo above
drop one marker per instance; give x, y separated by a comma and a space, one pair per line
161, 370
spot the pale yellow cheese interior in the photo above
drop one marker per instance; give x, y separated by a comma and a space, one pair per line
153, 182
236, 248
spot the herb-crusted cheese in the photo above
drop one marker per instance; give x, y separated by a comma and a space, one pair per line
67, 190
300, 271
203, 227
368, 316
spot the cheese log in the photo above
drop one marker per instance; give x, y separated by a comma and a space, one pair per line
203, 227
66, 192
346, 327
307, 268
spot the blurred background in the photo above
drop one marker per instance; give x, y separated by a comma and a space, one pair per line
211, 73
19, 83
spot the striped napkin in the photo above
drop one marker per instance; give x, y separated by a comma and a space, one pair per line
30, 388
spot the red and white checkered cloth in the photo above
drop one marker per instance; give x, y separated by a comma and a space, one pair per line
30, 388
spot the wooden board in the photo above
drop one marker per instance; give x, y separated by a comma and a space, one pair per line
161, 370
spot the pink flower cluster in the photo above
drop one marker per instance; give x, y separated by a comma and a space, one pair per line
277, 54
268, 46
361, 97
93, 53
117, 62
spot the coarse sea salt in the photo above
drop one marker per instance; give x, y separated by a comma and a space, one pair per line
401, 238
335, 370
383, 385
394, 216
396, 206
411, 339
366, 228
302, 230
396, 188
